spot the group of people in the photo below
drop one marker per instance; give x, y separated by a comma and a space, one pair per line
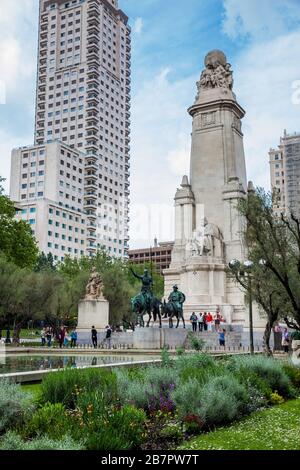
94, 333
285, 336
63, 337
205, 321
66, 338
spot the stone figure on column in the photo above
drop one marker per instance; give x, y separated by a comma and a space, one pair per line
94, 288
213, 240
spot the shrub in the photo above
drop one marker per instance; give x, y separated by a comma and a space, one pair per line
187, 398
165, 358
172, 430
52, 420
276, 399
180, 350
15, 405
151, 392
293, 374
200, 366
112, 428
223, 399
266, 368
12, 441
65, 386
196, 343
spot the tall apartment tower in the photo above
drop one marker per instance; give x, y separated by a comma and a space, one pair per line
285, 174
83, 102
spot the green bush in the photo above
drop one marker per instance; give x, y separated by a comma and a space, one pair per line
223, 399
293, 374
12, 441
15, 405
65, 386
219, 400
187, 398
151, 391
111, 428
51, 419
199, 366
268, 369
196, 343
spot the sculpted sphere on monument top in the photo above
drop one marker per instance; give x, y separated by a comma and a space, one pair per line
217, 73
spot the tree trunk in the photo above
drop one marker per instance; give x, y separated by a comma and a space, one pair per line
266, 339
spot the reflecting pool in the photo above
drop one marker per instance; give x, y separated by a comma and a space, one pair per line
29, 362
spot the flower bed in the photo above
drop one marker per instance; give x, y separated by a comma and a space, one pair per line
155, 407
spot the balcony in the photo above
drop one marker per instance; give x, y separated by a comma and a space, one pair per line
91, 166
90, 204
91, 236
91, 215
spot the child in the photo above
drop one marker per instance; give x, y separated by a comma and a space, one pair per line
222, 338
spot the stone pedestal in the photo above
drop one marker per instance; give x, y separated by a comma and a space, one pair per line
93, 313
296, 353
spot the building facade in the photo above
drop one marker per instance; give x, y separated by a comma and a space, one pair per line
159, 255
83, 101
285, 174
47, 180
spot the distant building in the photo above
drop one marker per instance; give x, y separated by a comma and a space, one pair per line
38, 175
159, 255
285, 174
83, 101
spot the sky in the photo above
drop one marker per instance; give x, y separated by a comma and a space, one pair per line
170, 39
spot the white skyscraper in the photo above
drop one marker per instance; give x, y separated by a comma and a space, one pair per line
83, 101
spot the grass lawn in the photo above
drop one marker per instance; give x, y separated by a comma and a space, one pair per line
276, 428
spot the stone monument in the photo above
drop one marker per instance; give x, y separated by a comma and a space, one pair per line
93, 310
208, 226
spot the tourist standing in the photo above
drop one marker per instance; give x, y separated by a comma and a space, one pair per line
200, 321
108, 336
194, 320
43, 336
48, 336
94, 337
209, 320
74, 338
222, 338
217, 321
61, 336
285, 342
205, 321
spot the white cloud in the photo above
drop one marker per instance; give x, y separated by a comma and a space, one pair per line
259, 18
265, 75
138, 25
18, 21
160, 149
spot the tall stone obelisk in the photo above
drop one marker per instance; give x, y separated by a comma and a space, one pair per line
208, 227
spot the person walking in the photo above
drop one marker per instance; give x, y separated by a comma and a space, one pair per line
48, 336
94, 337
222, 334
108, 336
200, 321
194, 320
74, 337
285, 341
61, 336
205, 321
43, 337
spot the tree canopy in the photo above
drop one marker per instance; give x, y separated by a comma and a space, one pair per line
16, 240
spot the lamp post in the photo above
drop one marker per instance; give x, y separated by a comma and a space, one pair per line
244, 269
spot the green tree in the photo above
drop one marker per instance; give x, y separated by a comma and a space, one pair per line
274, 248
16, 240
45, 263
